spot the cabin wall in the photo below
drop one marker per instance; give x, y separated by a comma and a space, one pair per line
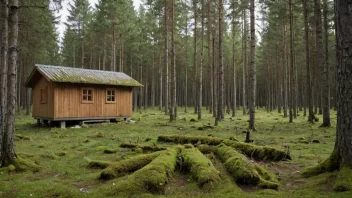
43, 110
68, 102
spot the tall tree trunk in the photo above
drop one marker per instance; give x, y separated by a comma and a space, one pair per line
3, 78
308, 83
166, 61
82, 63
186, 66
233, 66
285, 88
244, 62
8, 148
253, 72
113, 51
221, 65
200, 77
344, 83
292, 79
324, 79
173, 64
195, 95
104, 52
211, 91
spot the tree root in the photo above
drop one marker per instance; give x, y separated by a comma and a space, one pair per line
144, 148
252, 151
201, 168
22, 165
330, 164
124, 167
151, 178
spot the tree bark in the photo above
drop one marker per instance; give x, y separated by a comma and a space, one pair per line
308, 83
253, 72
244, 63
234, 96
166, 74
8, 149
343, 13
173, 64
221, 65
200, 77
321, 63
292, 78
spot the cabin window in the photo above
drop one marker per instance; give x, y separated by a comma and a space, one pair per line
110, 96
44, 95
87, 95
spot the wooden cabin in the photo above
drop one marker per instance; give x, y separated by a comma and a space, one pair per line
64, 94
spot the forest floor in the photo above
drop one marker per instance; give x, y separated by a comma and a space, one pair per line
63, 155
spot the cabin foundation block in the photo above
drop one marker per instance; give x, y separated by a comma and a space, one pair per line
63, 124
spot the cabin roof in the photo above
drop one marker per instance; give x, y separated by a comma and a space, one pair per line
61, 74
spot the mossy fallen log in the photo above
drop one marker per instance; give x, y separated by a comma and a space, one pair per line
151, 178
191, 139
242, 170
252, 151
330, 164
143, 147
259, 152
96, 164
201, 168
124, 167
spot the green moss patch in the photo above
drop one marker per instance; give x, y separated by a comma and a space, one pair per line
201, 168
110, 151
124, 167
151, 178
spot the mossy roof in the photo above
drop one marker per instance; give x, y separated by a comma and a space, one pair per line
61, 74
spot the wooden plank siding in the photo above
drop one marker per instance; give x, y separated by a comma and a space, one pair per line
68, 102
43, 109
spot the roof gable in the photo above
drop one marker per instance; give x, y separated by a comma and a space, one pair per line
62, 74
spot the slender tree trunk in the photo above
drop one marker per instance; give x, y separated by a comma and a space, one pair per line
344, 83
221, 65
3, 78
233, 66
211, 91
284, 64
244, 50
195, 95
200, 78
8, 150
253, 72
186, 65
166, 61
104, 52
113, 51
82, 65
173, 63
292, 79
324, 78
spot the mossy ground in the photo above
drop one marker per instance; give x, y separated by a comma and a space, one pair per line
67, 175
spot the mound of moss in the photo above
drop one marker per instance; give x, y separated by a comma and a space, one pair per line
344, 179
124, 167
151, 178
22, 165
201, 168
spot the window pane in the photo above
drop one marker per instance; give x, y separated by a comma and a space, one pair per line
108, 98
90, 98
109, 92
84, 91
112, 98
85, 98
90, 92
113, 93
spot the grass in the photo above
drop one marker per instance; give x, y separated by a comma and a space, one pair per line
62, 156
